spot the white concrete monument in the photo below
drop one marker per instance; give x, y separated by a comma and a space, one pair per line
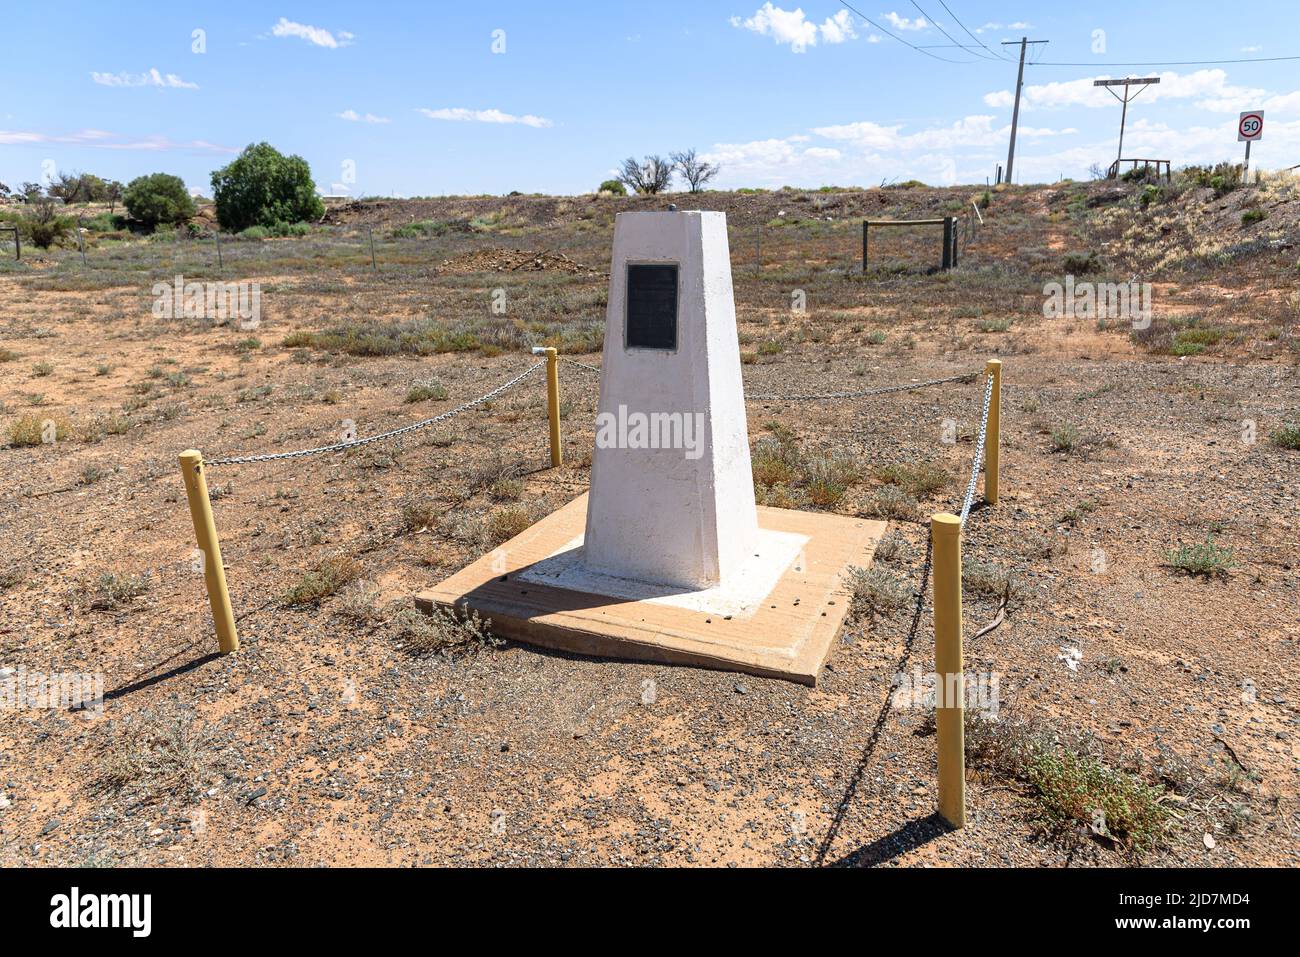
667, 558
672, 494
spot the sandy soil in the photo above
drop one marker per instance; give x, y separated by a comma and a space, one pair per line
325, 741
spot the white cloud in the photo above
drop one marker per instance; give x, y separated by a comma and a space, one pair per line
866, 151
352, 116
458, 114
970, 131
1210, 89
794, 29
903, 23
314, 35
1018, 25
838, 28
102, 139
1254, 49
150, 77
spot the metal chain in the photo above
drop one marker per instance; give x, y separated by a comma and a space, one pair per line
340, 446
581, 365
906, 387
964, 377
979, 452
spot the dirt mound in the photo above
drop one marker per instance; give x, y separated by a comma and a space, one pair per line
512, 260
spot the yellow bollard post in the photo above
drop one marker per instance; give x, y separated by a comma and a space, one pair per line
993, 439
205, 532
553, 404
950, 691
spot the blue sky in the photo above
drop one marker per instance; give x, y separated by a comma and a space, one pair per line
415, 99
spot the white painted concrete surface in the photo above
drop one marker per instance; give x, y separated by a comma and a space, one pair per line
739, 595
654, 514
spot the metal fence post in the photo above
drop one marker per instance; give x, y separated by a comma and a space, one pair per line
950, 690
866, 228
947, 242
205, 532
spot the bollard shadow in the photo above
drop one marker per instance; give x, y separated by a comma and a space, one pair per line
176, 672
909, 837
882, 716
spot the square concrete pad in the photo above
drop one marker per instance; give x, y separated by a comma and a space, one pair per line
785, 633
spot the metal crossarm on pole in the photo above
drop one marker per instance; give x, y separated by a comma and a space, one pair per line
355, 443
1024, 43
1127, 83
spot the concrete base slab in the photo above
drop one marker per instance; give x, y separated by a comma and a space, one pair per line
778, 620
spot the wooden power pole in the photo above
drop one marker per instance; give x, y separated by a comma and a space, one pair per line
1015, 112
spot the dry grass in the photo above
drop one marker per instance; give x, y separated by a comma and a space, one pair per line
157, 755
111, 591
876, 591
448, 632
29, 430
892, 502
1074, 790
921, 481
326, 579
505, 523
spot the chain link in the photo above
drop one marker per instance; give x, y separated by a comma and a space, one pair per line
415, 426
886, 390
581, 365
979, 452
791, 397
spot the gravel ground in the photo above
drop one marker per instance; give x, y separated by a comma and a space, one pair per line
325, 742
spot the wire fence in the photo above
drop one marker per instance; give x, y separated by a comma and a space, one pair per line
392, 433
977, 462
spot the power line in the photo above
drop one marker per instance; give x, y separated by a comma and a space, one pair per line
1103, 64
1264, 59
918, 49
968, 33
932, 20
926, 48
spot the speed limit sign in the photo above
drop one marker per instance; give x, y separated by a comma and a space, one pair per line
1250, 126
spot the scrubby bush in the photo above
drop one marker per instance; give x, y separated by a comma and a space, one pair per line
613, 186
157, 199
1079, 263
263, 187
423, 228
1222, 178
106, 223
43, 227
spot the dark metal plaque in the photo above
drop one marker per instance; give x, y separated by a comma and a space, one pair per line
652, 306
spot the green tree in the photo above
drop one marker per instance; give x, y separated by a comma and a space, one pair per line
113, 191
263, 187
158, 198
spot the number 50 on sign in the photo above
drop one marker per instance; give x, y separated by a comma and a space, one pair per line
1250, 126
